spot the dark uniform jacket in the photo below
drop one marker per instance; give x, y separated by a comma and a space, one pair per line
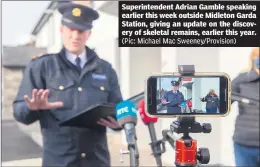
212, 101
69, 146
175, 99
247, 122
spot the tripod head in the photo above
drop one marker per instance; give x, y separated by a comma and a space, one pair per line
188, 125
186, 153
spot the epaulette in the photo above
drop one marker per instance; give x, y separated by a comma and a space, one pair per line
40, 55
34, 57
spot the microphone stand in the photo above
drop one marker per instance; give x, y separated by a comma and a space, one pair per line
245, 100
132, 145
155, 146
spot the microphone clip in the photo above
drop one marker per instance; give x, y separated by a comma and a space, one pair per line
157, 144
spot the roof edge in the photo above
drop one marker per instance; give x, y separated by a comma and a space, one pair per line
13, 66
45, 17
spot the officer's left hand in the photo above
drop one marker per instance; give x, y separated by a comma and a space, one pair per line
112, 123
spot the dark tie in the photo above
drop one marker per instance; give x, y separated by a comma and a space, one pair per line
78, 60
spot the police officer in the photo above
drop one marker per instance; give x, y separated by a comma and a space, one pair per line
212, 101
57, 86
173, 98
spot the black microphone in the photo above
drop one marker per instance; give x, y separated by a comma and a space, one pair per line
236, 97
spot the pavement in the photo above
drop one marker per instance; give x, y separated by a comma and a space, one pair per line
17, 145
22, 145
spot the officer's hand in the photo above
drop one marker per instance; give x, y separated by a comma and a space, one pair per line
40, 101
112, 123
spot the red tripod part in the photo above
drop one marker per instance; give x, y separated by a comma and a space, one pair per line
186, 152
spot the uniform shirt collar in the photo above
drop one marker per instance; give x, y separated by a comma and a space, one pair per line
72, 57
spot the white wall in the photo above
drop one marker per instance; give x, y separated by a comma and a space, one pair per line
196, 90
144, 62
54, 33
42, 37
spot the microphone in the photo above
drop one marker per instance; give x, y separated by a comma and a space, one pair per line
126, 115
149, 121
235, 97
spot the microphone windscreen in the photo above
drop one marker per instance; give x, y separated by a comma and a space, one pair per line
144, 116
126, 113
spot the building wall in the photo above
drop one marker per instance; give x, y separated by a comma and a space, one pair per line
11, 82
49, 36
54, 36
41, 39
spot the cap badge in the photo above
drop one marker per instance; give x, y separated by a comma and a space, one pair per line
76, 12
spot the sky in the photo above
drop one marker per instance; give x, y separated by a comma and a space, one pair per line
19, 18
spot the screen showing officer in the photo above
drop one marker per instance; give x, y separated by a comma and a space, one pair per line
173, 98
56, 87
212, 102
